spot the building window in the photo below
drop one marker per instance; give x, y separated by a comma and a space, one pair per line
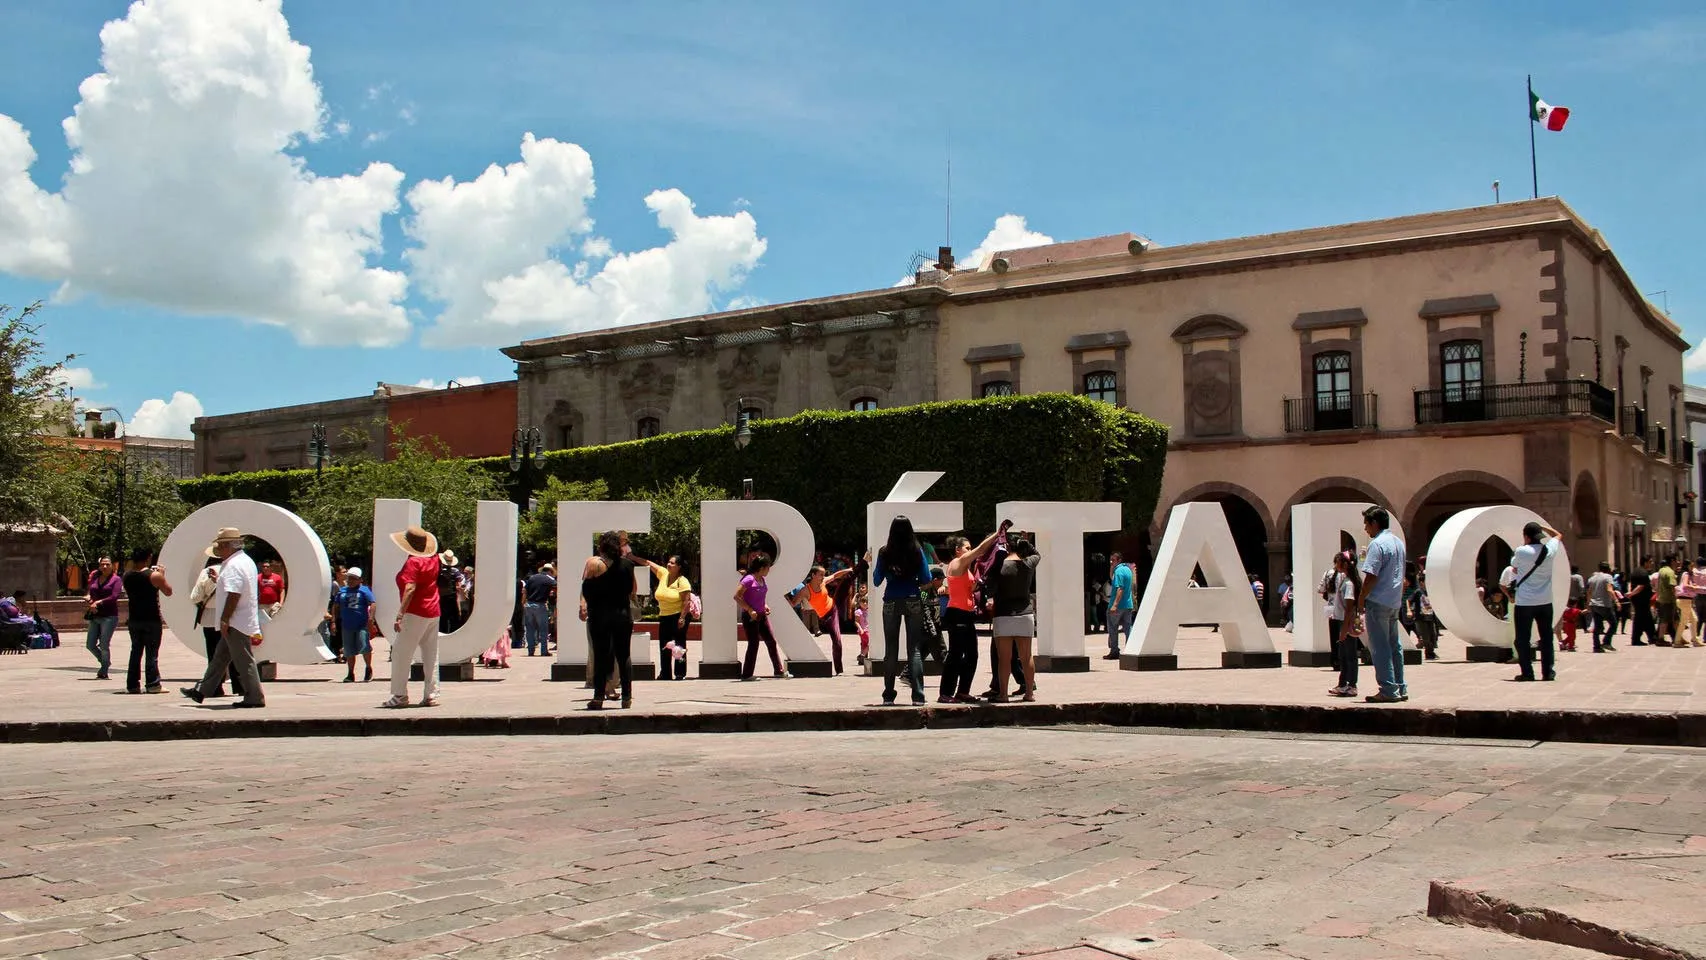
1102, 386
864, 403
566, 434
647, 427
1461, 377
998, 388
1332, 390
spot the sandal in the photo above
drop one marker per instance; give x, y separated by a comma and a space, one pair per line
396, 703
429, 702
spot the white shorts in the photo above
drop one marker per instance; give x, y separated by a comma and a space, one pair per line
1024, 626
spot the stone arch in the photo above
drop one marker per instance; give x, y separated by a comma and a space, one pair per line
1309, 490
1586, 508
1245, 513
1209, 326
1442, 481
1215, 491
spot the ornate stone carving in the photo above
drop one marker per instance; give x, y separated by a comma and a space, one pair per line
864, 359
647, 383
749, 371
1212, 393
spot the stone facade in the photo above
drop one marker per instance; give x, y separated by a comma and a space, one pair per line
876, 349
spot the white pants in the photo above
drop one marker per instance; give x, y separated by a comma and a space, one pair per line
421, 633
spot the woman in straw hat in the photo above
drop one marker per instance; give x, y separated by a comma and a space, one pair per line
417, 624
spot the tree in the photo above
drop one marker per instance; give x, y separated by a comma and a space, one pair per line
29, 388
83, 487
539, 525
675, 518
339, 506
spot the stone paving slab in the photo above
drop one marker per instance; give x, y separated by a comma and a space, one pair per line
956, 845
1645, 905
1642, 695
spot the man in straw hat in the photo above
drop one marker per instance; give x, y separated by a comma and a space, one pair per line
237, 601
417, 625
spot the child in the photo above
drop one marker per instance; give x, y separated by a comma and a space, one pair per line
862, 619
1567, 628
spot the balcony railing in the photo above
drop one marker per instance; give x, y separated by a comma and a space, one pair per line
1633, 422
1470, 403
1325, 412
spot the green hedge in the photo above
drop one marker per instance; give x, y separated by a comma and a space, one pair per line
829, 465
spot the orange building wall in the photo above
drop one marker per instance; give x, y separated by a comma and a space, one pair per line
476, 421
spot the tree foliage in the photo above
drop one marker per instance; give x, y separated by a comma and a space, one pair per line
84, 488
538, 528
675, 518
29, 387
339, 506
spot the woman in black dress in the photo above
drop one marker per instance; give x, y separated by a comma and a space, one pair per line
607, 590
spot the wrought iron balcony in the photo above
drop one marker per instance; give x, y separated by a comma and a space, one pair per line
1326, 412
1471, 403
1633, 422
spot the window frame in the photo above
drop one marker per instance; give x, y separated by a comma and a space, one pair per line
996, 388
1109, 389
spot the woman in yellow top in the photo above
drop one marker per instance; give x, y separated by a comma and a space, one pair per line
672, 594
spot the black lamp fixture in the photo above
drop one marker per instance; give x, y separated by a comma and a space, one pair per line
743, 423
318, 451
528, 443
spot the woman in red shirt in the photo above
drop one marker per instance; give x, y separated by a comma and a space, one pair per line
961, 619
417, 625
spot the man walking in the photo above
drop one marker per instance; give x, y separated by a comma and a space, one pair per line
1377, 603
1664, 590
237, 601
1603, 599
143, 586
1532, 594
1120, 607
541, 589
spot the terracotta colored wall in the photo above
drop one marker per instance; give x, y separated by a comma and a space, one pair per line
477, 421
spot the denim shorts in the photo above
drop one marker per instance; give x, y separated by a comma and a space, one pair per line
356, 643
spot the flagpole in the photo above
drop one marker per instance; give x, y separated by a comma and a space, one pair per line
1533, 166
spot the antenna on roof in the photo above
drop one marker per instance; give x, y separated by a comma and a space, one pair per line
948, 229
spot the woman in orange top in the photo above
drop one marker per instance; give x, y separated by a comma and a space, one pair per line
819, 590
961, 619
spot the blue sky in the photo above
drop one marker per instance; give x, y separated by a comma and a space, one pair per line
810, 137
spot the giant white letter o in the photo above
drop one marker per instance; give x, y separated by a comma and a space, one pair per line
1451, 571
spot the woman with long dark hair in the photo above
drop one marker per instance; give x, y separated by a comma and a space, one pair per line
1015, 621
752, 598
607, 588
673, 592
901, 563
961, 618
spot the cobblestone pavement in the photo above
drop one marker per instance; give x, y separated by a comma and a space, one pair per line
60, 685
940, 844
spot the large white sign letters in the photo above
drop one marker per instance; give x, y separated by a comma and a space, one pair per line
1316, 531
720, 521
1197, 535
577, 523
1059, 529
1451, 571
494, 582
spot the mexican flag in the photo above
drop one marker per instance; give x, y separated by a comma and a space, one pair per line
1541, 112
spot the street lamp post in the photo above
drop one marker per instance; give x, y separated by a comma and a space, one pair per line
526, 456
743, 436
123, 468
317, 448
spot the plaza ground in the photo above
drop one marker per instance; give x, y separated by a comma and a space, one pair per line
945, 844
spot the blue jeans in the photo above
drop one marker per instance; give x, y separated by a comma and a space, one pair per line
910, 612
538, 627
100, 640
1385, 650
1119, 628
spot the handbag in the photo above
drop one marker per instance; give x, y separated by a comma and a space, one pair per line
695, 609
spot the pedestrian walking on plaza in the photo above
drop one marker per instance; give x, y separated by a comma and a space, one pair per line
1695, 582
752, 598
270, 589
674, 595
331, 624
207, 619
237, 611
961, 620
1097, 573
541, 590
1579, 596
417, 625
356, 626
1341, 613
102, 616
1422, 613
1532, 595
1603, 598
1122, 607
606, 606
902, 569
1664, 593
449, 593
1377, 600
143, 586
1640, 597
1015, 622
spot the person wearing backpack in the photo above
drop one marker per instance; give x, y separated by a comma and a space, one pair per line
1532, 590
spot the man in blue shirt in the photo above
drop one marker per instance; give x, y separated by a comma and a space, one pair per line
355, 618
1378, 600
1121, 611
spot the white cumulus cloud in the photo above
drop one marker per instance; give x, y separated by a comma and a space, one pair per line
1009, 233
489, 249
182, 192
431, 384
77, 378
165, 418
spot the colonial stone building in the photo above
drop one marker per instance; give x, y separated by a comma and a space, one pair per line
1428, 363
867, 350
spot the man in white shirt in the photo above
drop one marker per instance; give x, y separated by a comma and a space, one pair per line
239, 617
1532, 594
